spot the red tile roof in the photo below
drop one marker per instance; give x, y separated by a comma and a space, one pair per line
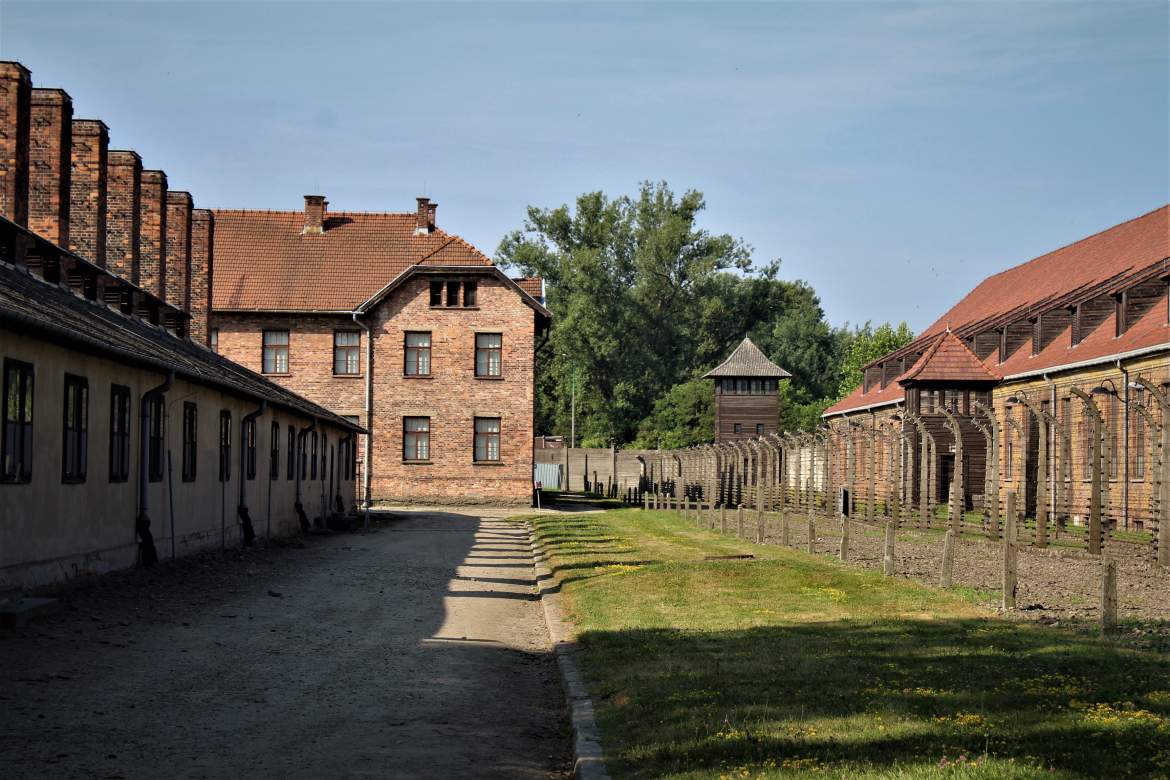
949, 360
1120, 250
1076, 272
533, 285
263, 263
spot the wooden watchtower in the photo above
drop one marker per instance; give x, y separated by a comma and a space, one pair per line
747, 401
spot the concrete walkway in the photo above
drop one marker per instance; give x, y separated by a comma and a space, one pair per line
416, 651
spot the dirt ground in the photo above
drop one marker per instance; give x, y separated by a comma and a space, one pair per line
416, 650
1052, 588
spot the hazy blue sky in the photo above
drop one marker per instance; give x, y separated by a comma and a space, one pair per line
891, 154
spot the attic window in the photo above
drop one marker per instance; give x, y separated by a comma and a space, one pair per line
469, 289
437, 293
453, 293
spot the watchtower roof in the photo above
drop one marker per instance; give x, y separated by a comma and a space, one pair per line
747, 361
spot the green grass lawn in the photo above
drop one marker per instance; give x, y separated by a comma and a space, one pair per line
793, 665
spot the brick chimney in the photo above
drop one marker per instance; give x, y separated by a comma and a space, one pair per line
315, 206
178, 264
202, 241
15, 100
422, 217
431, 208
152, 232
123, 213
50, 164
87, 198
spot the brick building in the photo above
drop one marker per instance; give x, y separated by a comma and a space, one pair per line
103, 385
397, 325
1045, 347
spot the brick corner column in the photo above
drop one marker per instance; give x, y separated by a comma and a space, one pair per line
87, 201
202, 265
123, 213
178, 263
50, 164
152, 232
15, 106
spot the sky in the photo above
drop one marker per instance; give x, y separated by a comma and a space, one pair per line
890, 154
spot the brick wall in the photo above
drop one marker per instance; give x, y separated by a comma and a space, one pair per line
152, 232
202, 236
453, 397
15, 96
50, 160
310, 358
123, 211
178, 263
87, 200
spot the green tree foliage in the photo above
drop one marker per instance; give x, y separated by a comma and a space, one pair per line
683, 417
644, 302
864, 345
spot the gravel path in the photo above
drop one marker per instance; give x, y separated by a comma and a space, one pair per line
418, 650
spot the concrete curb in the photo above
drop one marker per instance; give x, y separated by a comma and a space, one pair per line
588, 758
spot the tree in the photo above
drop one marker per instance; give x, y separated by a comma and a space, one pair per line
683, 417
866, 344
623, 277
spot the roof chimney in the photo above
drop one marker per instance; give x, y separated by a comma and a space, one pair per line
315, 206
424, 217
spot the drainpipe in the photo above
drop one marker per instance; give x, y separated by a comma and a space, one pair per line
242, 509
340, 468
1124, 447
369, 413
147, 553
300, 508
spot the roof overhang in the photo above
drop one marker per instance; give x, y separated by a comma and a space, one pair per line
448, 270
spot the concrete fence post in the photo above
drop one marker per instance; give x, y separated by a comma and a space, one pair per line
739, 521
783, 527
948, 559
888, 551
1010, 571
1108, 595
759, 525
722, 518
845, 538
812, 533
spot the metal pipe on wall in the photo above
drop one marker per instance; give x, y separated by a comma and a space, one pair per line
148, 555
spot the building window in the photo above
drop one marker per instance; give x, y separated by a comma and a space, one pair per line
225, 446
275, 352
313, 458
190, 440
416, 438
119, 433
18, 421
487, 439
757, 387
927, 401
346, 344
75, 445
274, 452
291, 473
304, 450
213, 339
418, 354
452, 293
155, 437
436, 293
737, 429
469, 293
952, 401
759, 429
488, 354
250, 449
